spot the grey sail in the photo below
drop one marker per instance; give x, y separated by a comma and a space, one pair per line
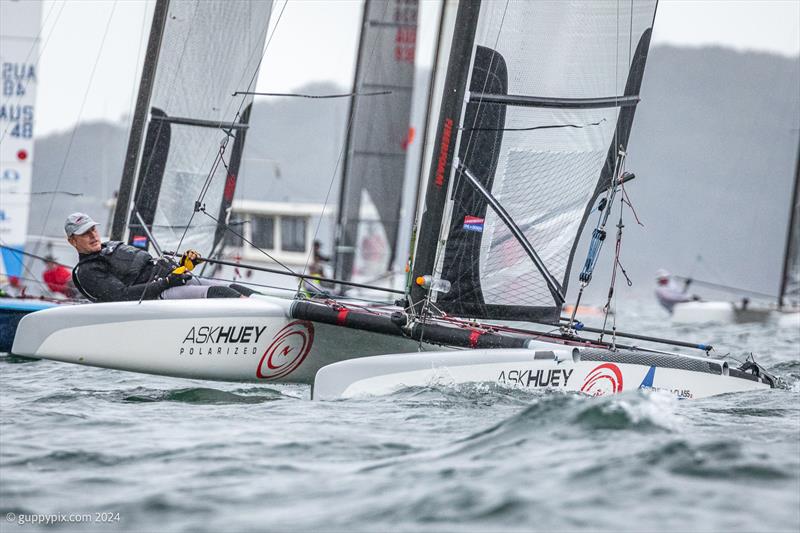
378, 135
194, 126
789, 295
550, 90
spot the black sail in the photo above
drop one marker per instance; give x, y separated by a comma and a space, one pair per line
378, 137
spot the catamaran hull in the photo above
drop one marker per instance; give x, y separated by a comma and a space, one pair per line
591, 371
245, 340
716, 312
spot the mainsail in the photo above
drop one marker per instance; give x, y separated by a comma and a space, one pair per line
20, 24
538, 103
789, 295
200, 53
378, 136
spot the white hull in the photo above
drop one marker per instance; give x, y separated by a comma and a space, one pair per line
556, 369
716, 312
789, 319
252, 339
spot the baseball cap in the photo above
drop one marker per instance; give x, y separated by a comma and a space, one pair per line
78, 224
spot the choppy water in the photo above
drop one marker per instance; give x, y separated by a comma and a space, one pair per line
162, 454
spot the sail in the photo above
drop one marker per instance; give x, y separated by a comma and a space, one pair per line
378, 136
206, 51
789, 295
550, 90
20, 24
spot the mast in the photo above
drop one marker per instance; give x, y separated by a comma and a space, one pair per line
444, 144
340, 263
128, 179
792, 234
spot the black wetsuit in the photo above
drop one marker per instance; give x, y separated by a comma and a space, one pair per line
120, 272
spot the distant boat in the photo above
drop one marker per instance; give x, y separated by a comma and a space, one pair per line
787, 311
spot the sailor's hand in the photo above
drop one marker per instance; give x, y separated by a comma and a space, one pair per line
177, 279
190, 258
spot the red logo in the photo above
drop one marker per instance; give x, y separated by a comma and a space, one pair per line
443, 152
288, 350
605, 378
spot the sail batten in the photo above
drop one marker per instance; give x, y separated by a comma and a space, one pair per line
572, 103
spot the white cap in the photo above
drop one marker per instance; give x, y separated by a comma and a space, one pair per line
662, 274
78, 224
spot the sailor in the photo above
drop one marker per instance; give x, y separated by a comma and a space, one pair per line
317, 267
669, 293
58, 278
114, 271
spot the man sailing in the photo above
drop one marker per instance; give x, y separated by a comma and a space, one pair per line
113, 271
668, 293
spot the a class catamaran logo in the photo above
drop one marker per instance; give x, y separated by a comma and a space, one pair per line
222, 340
603, 379
287, 351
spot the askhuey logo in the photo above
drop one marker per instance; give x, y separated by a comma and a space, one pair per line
539, 378
219, 340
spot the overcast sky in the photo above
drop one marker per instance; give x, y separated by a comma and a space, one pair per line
316, 40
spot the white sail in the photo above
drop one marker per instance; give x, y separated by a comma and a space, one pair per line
207, 51
541, 99
20, 24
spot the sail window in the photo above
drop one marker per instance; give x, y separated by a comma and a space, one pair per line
293, 234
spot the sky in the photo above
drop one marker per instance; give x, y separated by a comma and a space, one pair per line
91, 50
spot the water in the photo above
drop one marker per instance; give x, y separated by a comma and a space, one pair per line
161, 454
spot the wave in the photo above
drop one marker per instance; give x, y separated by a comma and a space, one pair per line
204, 396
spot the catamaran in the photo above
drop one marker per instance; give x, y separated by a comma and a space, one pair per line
785, 311
529, 121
